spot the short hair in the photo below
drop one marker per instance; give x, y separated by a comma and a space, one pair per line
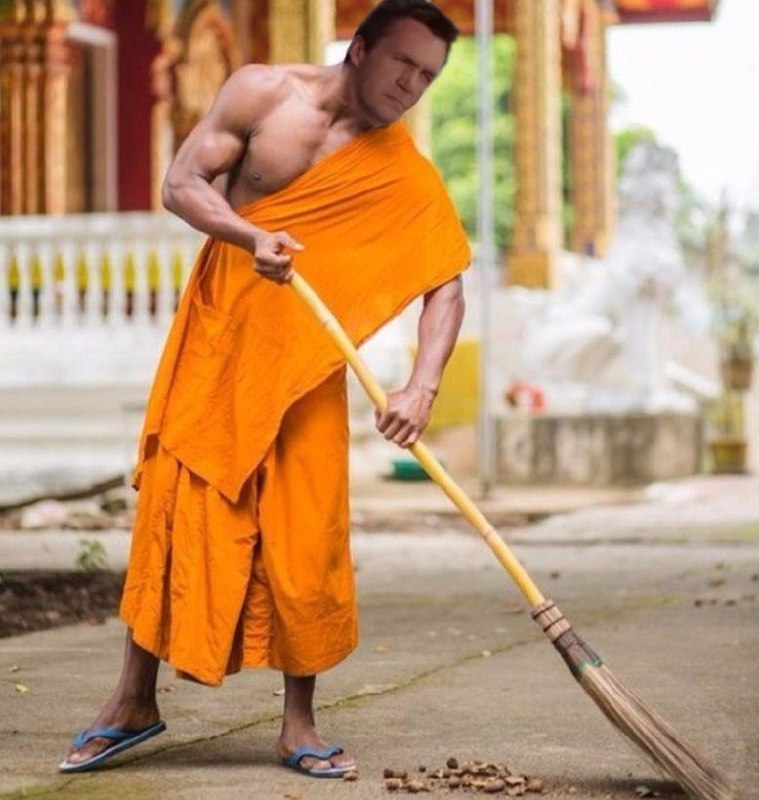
381, 17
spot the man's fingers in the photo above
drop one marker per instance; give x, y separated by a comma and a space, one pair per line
288, 241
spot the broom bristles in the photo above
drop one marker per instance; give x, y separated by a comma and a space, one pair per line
630, 715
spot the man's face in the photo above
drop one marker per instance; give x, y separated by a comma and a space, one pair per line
396, 72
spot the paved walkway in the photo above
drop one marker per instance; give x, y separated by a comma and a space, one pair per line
449, 663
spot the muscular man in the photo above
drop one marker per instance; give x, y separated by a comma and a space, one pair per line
240, 551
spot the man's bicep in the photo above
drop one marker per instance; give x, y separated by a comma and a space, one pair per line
221, 137
209, 150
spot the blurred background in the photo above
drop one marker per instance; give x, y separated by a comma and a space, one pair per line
620, 307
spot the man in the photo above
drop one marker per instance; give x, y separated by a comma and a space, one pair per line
240, 553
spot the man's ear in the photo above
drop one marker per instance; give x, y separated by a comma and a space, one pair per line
357, 50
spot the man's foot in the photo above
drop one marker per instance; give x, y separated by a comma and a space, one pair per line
295, 738
121, 715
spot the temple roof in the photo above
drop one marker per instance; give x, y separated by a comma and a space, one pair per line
629, 11
351, 12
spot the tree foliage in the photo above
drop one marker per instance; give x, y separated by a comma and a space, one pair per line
453, 101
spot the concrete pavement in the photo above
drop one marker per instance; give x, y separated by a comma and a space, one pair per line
450, 663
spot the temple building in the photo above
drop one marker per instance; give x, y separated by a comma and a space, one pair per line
96, 96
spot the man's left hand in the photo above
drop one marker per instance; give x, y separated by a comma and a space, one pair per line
407, 414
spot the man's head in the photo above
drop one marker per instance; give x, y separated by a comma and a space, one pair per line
396, 53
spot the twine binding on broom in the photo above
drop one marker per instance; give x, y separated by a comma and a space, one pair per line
629, 714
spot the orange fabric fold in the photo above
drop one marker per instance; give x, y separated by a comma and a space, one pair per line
266, 582
379, 230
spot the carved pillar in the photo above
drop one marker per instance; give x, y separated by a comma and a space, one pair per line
537, 229
33, 85
55, 77
12, 114
300, 29
591, 166
32, 37
322, 15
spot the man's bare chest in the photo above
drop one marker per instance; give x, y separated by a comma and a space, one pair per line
287, 144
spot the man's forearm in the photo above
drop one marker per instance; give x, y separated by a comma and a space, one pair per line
204, 208
439, 326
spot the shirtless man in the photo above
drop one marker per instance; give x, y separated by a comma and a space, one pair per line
268, 125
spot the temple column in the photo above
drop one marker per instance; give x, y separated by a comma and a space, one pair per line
299, 30
52, 113
537, 94
11, 115
591, 155
33, 85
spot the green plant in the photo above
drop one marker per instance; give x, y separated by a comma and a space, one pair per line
738, 324
726, 415
91, 556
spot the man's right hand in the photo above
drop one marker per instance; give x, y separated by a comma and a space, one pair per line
271, 259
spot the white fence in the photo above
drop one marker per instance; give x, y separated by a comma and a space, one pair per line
86, 299
92, 269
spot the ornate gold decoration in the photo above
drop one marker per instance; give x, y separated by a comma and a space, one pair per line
33, 85
194, 62
537, 83
590, 143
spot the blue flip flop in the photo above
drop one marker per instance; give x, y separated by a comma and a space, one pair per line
121, 740
293, 762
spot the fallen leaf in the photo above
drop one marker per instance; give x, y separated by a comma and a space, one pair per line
279, 693
21, 689
381, 648
14, 668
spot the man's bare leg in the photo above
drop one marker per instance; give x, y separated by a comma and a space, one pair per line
132, 705
299, 725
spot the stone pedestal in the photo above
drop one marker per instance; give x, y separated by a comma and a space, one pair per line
598, 450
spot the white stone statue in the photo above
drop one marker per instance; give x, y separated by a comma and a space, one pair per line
594, 344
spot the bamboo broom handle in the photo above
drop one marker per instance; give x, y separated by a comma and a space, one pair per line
433, 467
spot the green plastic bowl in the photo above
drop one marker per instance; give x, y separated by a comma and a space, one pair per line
408, 469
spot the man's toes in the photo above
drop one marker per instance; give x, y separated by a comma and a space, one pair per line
315, 763
92, 748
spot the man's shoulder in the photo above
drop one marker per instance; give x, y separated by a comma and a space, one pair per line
258, 78
274, 79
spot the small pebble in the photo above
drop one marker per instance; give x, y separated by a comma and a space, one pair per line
452, 763
493, 785
351, 776
393, 784
535, 785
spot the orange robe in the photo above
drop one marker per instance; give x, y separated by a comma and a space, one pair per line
240, 549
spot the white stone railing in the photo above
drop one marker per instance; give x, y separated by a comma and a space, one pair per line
92, 269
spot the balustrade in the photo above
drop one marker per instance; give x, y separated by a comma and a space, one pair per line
92, 269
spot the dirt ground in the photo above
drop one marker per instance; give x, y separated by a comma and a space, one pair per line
33, 601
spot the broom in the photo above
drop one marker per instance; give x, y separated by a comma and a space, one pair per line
625, 710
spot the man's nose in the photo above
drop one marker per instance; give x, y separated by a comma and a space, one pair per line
404, 81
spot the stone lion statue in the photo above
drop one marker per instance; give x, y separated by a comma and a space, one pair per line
595, 343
